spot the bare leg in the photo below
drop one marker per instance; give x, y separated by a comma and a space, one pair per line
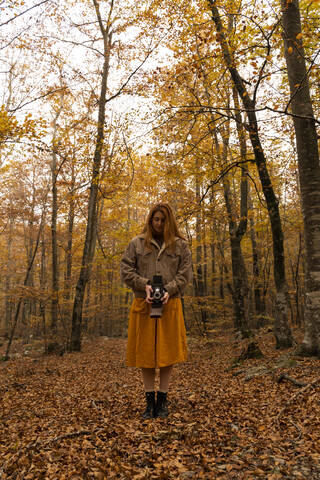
148, 375
165, 374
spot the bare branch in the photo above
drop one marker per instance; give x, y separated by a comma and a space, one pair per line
13, 110
133, 73
22, 13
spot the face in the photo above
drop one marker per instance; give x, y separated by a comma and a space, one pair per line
158, 222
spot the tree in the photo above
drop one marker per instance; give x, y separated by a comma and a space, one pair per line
237, 230
25, 283
281, 327
91, 230
301, 107
54, 215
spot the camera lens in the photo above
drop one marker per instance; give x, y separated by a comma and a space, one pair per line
157, 294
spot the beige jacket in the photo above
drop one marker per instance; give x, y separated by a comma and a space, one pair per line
139, 265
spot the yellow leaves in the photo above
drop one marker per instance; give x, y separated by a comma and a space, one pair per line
10, 128
8, 123
269, 57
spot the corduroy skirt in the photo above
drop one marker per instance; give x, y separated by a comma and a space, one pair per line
156, 342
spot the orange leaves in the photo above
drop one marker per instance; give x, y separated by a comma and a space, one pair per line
11, 128
220, 426
8, 124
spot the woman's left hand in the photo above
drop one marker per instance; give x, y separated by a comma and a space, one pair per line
165, 298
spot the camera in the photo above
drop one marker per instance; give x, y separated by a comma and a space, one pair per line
157, 294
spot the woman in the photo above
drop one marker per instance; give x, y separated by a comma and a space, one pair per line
159, 342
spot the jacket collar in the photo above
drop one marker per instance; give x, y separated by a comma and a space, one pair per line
143, 235
163, 246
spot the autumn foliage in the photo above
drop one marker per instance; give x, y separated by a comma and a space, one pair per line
107, 108
79, 416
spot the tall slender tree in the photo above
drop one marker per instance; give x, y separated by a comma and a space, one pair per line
54, 216
301, 107
91, 230
282, 329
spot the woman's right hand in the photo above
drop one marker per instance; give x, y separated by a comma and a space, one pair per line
149, 293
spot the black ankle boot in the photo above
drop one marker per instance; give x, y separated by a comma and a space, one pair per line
161, 407
151, 406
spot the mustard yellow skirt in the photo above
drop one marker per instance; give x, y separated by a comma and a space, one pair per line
156, 342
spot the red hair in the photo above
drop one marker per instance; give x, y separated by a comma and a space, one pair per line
170, 231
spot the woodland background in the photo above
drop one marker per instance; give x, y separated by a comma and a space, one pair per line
106, 108
109, 107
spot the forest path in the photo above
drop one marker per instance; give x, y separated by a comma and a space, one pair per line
79, 417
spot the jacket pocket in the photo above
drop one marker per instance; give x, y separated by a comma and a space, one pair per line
172, 261
143, 263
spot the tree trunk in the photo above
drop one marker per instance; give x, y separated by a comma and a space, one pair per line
71, 214
205, 260
240, 291
259, 304
25, 283
28, 305
109, 298
282, 329
309, 168
212, 251
54, 216
199, 279
43, 288
221, 282
242, 278
91, 230
239, 274
9, 303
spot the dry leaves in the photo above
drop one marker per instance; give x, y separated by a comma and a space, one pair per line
78, 417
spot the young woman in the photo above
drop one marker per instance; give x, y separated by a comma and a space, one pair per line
159, 342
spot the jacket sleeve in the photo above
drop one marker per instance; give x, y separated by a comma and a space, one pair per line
184, 273
128, 269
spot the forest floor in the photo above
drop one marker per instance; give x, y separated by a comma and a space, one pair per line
79, 416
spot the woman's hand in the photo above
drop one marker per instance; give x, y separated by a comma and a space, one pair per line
149, 293
165, 298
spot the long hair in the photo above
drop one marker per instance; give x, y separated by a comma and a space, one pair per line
170, 230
